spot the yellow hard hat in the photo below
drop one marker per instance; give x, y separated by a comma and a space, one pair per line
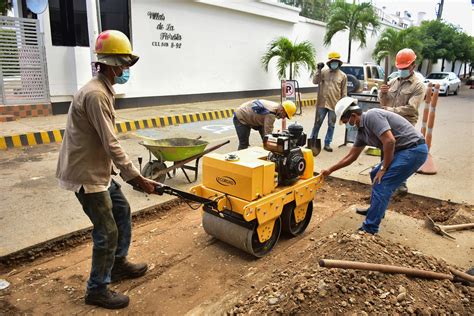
334, 56
113, 48
290, 108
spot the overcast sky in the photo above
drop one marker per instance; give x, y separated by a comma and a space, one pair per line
458, 12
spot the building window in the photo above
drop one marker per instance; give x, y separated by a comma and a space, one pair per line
68, 21
114, 15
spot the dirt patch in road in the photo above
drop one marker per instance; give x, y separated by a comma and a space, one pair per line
191, 272
305, 288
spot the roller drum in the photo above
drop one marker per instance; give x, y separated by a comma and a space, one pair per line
239, 236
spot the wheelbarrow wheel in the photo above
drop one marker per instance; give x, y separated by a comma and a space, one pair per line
151, 171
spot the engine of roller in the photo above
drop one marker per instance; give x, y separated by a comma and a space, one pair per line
257, 193
284, 150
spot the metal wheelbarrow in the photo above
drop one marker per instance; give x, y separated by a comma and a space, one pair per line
179, 151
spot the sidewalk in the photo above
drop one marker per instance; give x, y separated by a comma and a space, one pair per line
49, 129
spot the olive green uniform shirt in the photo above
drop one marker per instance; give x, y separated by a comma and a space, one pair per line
404, 97
332, 87
89, 144
248, 117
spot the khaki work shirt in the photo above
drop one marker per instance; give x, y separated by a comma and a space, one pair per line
332, 87
248, 117
404, 97
89, 144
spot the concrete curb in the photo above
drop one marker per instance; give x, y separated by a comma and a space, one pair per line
56, 136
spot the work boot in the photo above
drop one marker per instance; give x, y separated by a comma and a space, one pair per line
106, 299
123, 269
363, 211
328, 148
402, 190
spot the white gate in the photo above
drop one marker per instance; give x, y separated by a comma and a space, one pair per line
23, 71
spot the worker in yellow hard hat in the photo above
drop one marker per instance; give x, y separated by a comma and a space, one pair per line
88, 149
332, 84
259, 115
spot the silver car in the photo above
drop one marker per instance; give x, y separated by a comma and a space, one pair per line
448, 82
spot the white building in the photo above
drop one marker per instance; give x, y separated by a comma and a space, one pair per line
189, 50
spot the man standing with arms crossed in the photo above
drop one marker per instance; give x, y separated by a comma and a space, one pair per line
88, 150
332, 87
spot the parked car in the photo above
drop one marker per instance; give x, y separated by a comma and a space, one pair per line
363, 78
448, 82
419, 75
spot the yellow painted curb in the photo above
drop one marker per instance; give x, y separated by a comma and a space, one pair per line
56, 136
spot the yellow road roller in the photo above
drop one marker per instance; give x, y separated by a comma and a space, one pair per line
250, 196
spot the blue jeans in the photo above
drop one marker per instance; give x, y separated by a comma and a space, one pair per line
318, 121
243, 133
110, 214
405, 163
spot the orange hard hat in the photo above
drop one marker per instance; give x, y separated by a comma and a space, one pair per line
405, 58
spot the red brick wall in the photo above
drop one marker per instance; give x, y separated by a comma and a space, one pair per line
22, 111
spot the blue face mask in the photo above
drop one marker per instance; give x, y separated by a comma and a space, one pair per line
123, 78
403, 73
334, 65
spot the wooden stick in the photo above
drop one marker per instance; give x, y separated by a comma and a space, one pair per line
343, 264
462, 275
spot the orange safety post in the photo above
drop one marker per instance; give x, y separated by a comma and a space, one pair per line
426, 110
282, 99
428, 167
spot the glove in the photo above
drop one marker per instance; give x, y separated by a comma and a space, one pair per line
320, 66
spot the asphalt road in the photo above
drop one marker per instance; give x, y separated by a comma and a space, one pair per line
34, 209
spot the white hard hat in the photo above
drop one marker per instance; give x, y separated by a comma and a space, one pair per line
344, 104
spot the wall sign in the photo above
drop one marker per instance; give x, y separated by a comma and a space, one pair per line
167, 34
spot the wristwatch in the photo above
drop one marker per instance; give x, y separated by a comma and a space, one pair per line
383, 168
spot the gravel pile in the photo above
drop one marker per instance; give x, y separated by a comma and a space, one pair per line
302, 287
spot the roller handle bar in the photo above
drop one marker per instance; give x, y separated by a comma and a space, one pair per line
161, 189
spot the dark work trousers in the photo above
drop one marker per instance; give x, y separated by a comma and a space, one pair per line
243, 133
110, 214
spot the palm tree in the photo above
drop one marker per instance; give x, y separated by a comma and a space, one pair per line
290, 54
391, 41
5, 6
355, 18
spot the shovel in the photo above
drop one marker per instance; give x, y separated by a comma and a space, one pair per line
314, 145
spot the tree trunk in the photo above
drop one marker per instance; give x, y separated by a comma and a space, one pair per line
442, 65
430, 67
453, 66
291, 71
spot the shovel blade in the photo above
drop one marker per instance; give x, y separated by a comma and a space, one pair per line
315, 146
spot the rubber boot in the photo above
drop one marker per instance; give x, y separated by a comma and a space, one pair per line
106, 299
123, 269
